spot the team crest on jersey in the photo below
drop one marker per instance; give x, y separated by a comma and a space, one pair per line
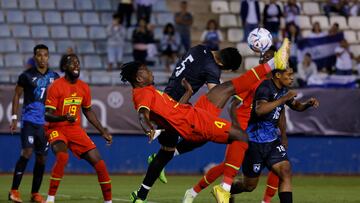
256, 168
31, 139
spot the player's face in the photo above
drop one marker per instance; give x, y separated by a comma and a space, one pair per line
145, 76
287, 77
73, 67
42, 58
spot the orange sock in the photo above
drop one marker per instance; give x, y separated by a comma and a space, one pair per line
57, 172
209, 177
271, 187
234, 157
104, 180
249, 78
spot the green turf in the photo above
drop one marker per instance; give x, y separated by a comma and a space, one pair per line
83, 188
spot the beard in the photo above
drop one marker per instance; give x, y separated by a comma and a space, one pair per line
72, 75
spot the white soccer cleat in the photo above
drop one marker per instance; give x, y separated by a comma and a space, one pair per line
188, 197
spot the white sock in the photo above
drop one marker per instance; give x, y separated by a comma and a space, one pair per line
226, 187
50, 198
193, 193
110, 201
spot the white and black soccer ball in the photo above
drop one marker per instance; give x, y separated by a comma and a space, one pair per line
259, 40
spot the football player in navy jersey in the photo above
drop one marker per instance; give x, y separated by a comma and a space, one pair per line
33, 83
265, 147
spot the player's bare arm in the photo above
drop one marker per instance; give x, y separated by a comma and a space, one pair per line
92, 118
282, 127
144, 118
264, 107
15, 107
235, 103
51, 117
189, 91
302, 106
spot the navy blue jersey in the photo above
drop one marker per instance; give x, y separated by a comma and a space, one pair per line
262, 129
198, 66
34, 84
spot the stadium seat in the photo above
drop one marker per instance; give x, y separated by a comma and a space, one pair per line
26, 45
158, 33
244, 49
251, 62
101, 47
219, 7
235, 35
39, 31
27, 4
4, 30
354, 22
159, 6
49, 43
62, 45
103, 5
228, 20
305, 33
97, 32
106, 18
14, 61
341, 20
164, 18
7, 45
78, 32
52, 17
33, 17
235, 7
304, 22
104, 80
323, 21
358, 35
85, 47
9, 4
54, 61
129, 33
46, 4
2, 18
355, 49
92, 62
59, 31
350, 36
65, 4
311, 8
72, 18
20, 31
84, 5
90, 18
14, 17
128, 48
1, 62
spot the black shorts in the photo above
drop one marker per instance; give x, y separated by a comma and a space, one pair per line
260, 155
168, 139
33, 136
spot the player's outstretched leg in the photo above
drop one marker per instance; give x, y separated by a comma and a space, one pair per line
283, 170
94, 159
38, 173
272, 184
162, 176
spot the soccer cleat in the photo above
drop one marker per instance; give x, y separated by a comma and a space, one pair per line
281, 57
14, 195
162, 175
220, 194
134, 198
36, 197
188, 197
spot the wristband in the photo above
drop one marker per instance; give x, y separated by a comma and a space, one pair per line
14, 117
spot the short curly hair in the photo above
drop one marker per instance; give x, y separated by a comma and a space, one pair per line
129, 71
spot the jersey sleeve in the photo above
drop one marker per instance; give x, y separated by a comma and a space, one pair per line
52, 98
22, 80
143, 99
86, 103
263, 92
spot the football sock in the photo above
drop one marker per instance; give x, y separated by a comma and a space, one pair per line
233, 159
154, 170
38, 173
193, 192
209, 177
19, 171
57, 172
285, 197
245, 81
271, 187
50, 198
104, 179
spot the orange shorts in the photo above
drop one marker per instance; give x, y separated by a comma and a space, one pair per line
74, 137
204, 103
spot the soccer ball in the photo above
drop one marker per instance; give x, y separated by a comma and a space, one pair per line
259, 40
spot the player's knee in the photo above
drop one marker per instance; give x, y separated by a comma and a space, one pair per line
249, 187
62, 157
27, 152
285, 171
41, 159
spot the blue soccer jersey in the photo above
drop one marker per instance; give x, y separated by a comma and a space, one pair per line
34, 84
262, 129
198, 66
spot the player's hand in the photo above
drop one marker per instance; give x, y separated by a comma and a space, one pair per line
312, 102
186, 85
13, 125
70, 118
107, 136
290, 95
150, 134
284, 142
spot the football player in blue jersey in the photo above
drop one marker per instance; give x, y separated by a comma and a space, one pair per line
32, 83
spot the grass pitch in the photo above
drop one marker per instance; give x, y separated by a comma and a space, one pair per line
84, 188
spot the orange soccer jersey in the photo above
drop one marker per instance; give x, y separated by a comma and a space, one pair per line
65, 97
